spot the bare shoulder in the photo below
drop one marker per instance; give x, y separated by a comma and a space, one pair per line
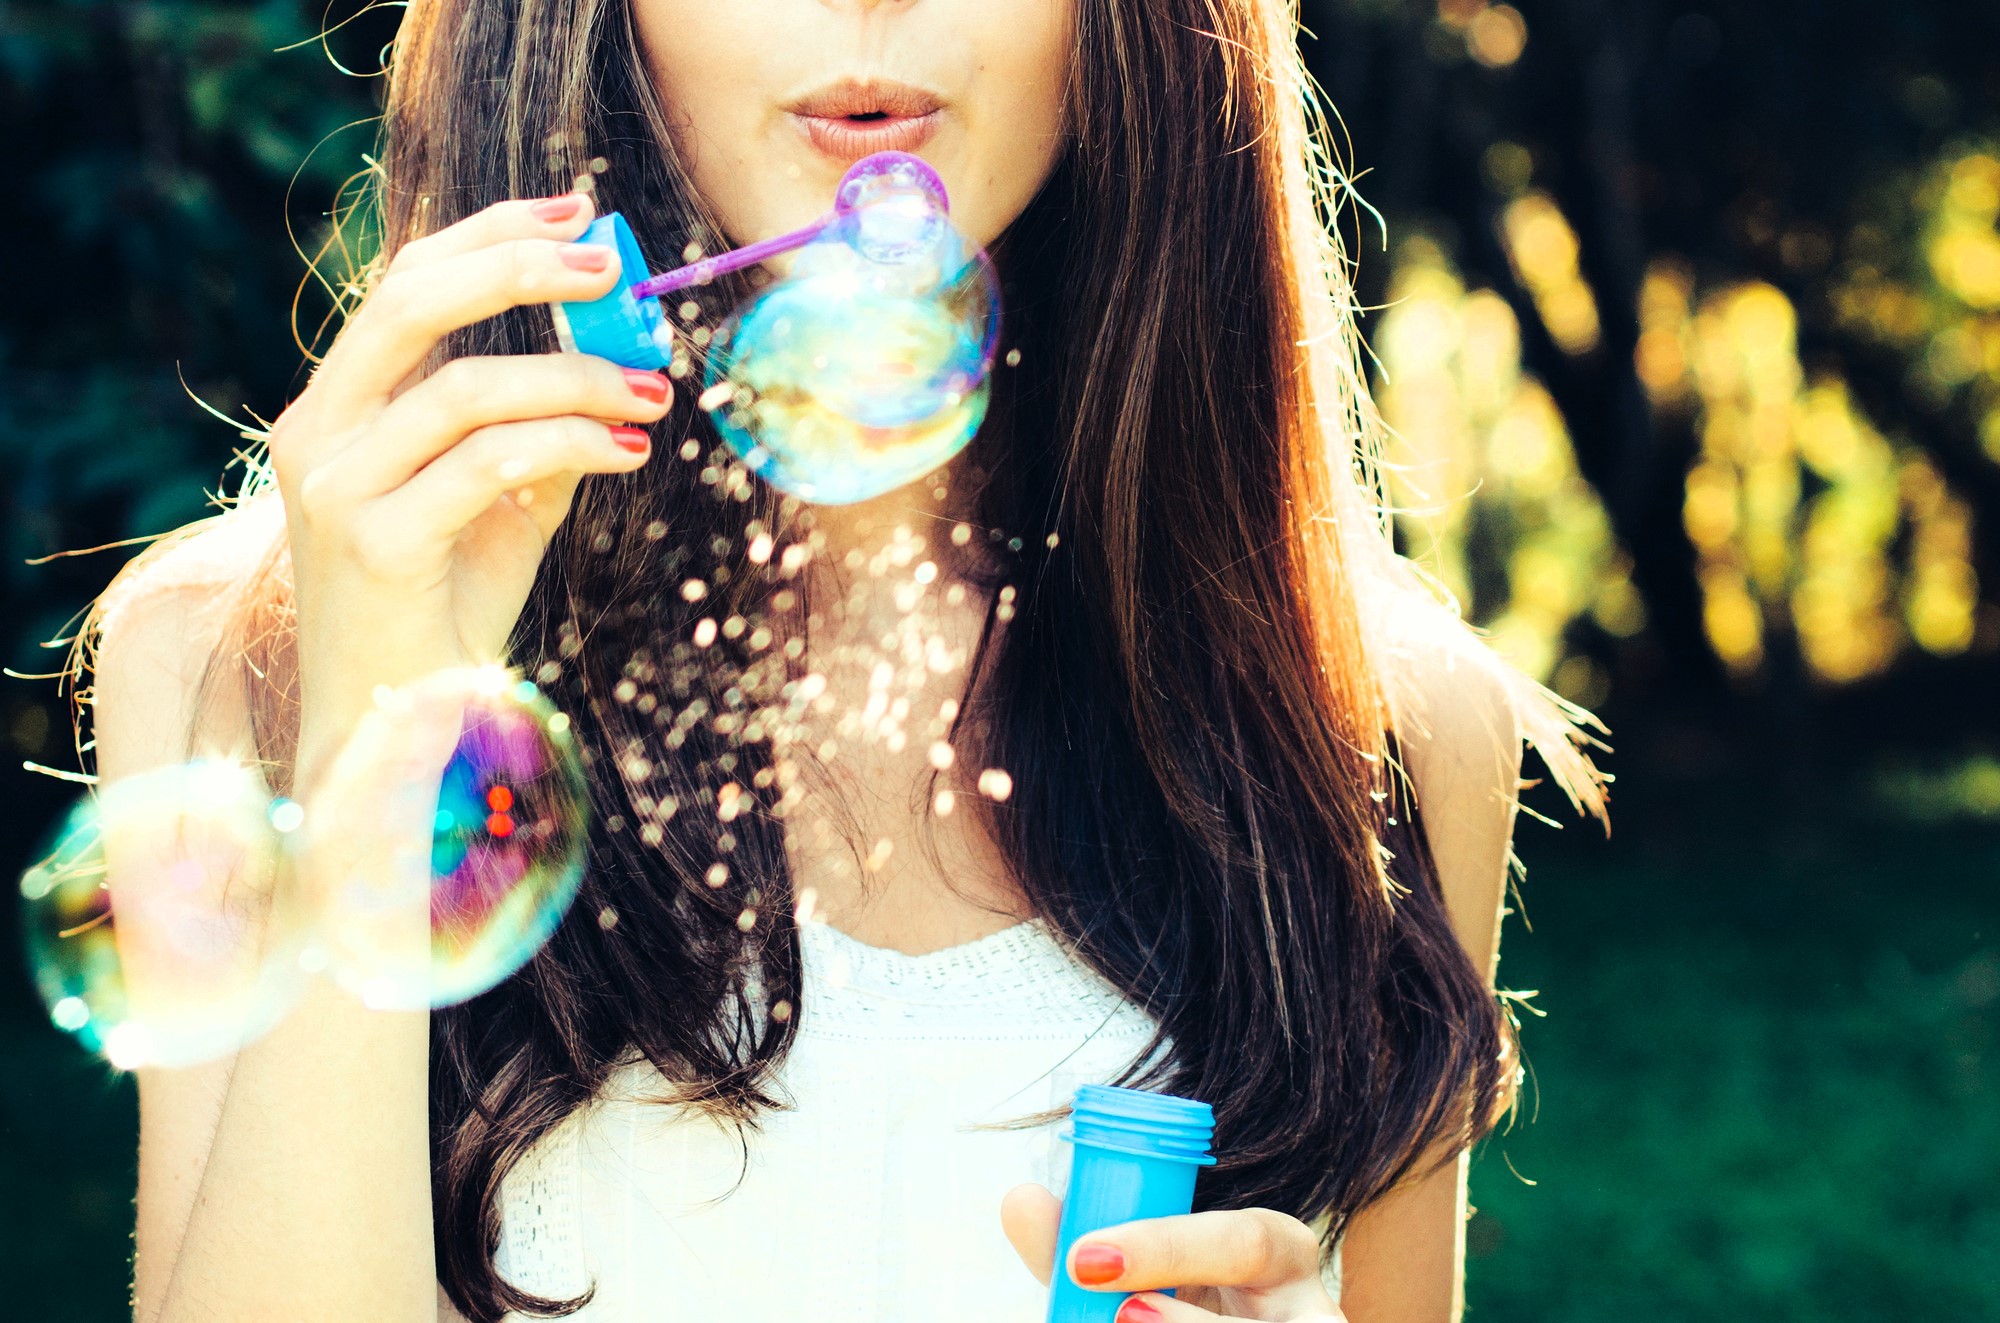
160, 627
1461, 745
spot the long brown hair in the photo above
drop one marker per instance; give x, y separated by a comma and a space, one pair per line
1198, 692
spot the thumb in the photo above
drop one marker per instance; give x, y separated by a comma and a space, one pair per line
1030, 1216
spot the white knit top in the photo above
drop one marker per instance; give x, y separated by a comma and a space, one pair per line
875, 1200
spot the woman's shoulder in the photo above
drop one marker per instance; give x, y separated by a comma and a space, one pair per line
156, 632
1460, 742
193, 569
1458, 724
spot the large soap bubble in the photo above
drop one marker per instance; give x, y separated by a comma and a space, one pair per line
452, 832
155, 929
868, 365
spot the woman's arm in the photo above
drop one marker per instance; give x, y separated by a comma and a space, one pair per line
291, 1180
1403, 1257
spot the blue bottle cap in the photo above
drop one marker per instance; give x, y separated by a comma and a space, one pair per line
631, 332
1153, 1125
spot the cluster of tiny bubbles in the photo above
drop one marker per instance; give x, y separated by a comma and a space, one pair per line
454, 828
726, 723
154, 928
868, 364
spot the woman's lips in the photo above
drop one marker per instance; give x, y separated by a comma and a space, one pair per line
851, 137
853, 118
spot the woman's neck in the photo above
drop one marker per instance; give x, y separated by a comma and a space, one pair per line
890, 842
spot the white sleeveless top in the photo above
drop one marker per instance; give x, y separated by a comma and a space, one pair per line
875, 1200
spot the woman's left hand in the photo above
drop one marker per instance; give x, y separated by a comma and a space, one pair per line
1250, 1263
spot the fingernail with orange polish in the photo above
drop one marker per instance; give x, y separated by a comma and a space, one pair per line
585, 256
1135, 1310
649, 386
556, 209
1094, 1265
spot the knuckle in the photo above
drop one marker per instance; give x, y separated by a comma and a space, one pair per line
1255, 1241
484, 447
571, 436
411, 254
392, 297
518, 266
320, 503
1286, 1241
283, 441
1164, 1248
460, 384
496, 444
516, 217
508, 214
381, 548
588, 378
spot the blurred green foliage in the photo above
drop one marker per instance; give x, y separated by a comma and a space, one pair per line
1764, 1088
165, 157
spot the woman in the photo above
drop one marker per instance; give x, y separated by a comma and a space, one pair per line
1136, 814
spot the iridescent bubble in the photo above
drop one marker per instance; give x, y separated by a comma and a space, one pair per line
453, 829
152, 930
893, 208
868, 365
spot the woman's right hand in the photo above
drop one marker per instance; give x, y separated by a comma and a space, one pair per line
418, 506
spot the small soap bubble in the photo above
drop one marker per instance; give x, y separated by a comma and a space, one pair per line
995, 784
154, 928
454, 839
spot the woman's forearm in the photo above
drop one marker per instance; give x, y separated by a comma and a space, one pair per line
314, 1202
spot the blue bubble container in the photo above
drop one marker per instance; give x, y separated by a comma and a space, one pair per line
631, 332
1134, 1154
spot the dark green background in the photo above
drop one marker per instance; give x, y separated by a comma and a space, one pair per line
1767, 1083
